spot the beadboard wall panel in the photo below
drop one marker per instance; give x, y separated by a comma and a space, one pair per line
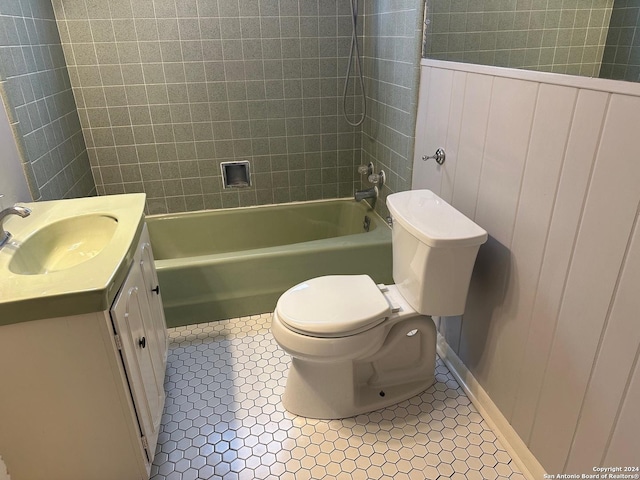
473, 132
547, 142
624, 441
504, 155
618, 353
576, 172
608, 216
435, 93
461, 177
453, 136
500, 183
548, 167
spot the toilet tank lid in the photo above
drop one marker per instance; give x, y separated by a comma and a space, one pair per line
433, 221
333, 305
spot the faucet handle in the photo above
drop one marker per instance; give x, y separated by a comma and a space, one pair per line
377, 178
366, 169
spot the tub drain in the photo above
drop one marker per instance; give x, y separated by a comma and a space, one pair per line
366, 224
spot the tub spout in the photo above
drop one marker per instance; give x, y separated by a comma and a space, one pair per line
368, 193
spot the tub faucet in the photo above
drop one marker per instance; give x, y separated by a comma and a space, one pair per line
368, 193
15, 210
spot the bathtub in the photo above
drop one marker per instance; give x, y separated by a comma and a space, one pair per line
228, 263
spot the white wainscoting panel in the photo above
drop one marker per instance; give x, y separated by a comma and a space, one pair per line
603, 235
472, 136
435, 98
550, 167
624, 441
547, 143
574, 178
618, 352
453, 135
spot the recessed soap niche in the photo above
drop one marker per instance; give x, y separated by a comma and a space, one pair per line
236, 174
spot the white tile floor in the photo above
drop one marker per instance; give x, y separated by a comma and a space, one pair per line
223, 420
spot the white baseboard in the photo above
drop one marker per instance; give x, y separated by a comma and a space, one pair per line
528, 464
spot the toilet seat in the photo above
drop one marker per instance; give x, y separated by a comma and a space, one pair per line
333, 306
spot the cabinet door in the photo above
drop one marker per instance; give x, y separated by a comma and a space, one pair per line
157, 327
130, 313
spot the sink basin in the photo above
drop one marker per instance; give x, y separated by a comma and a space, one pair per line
69, 257
63, 244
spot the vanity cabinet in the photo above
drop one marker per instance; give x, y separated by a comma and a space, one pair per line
81, 397
141, 337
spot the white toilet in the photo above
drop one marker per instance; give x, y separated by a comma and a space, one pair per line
357, 346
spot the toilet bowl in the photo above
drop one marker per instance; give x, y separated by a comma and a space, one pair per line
356, 346
340, 369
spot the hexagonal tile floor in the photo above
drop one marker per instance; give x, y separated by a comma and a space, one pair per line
223, 420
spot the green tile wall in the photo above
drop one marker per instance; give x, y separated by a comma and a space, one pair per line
37, 93
621, 60
167, 90
393, 32
561, 36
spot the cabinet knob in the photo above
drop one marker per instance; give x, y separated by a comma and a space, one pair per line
142, 342
157, 289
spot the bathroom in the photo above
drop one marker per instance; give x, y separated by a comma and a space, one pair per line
549, 334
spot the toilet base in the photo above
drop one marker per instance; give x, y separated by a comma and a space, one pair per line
323, 401
403, 367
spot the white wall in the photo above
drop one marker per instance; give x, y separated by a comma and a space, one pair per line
549, 165
12, 182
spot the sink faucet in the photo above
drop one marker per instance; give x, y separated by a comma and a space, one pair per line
368, 193
15, 210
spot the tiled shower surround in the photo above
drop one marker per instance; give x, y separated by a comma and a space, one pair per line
553, 36
168, 90
392, 49
223, 419
621, 59
35, 87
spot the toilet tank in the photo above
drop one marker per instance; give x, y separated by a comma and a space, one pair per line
434, 250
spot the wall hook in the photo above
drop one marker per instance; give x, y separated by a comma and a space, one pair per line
439, 156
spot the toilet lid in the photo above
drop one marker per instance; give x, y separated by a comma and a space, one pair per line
333, 306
